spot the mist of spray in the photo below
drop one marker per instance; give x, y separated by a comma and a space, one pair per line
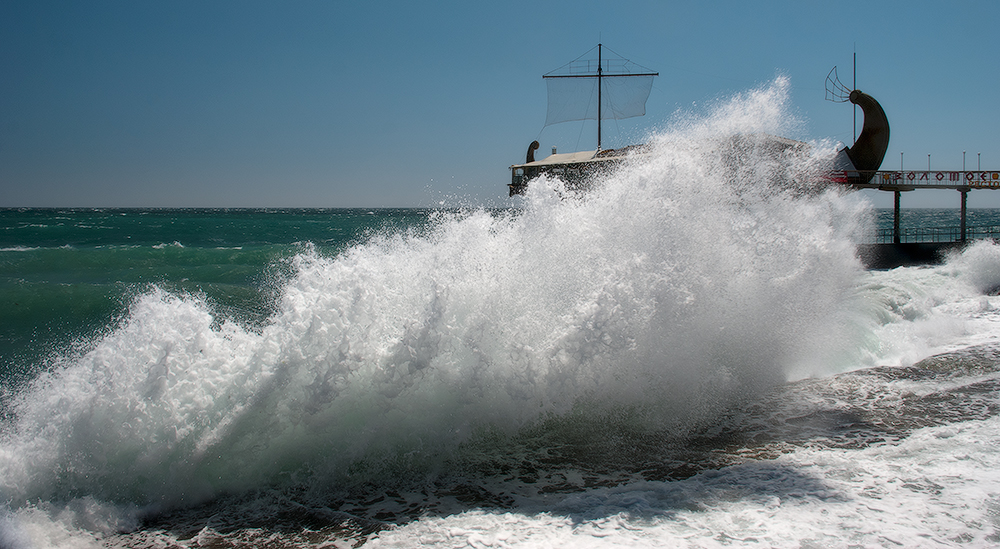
687, 279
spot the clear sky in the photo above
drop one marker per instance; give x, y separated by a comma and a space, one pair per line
366, 104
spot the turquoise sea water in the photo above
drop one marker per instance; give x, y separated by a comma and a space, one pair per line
67, 275
938, 217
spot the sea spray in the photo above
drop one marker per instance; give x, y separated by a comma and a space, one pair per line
906, 314
681, 283
979, 266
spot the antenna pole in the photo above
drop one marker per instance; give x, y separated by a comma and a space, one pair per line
600, 72
854, 86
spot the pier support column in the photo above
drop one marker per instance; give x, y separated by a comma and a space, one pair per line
895, 219
965, 199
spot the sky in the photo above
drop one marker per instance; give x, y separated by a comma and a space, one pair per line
303, 103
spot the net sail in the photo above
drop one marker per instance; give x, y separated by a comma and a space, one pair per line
836, 91
608, 89
573, 99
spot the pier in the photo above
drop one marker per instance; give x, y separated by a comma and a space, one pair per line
917, 245
902, 181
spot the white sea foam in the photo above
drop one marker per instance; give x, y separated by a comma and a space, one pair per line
938, 488
19, 249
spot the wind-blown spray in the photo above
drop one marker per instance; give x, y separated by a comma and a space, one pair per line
682, 282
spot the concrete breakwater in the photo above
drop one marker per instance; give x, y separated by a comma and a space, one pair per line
892, 255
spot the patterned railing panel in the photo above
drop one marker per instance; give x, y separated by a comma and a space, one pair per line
937, 234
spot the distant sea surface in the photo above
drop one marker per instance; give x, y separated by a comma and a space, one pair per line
66, 275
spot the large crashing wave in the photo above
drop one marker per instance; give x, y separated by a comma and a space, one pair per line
680, 282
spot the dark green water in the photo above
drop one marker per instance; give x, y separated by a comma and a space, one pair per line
68, 274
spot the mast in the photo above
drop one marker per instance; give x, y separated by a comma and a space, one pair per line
600, 75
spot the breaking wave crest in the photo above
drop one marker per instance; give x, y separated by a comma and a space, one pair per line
681, 283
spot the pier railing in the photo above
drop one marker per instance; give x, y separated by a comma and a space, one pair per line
907, 180
936, 234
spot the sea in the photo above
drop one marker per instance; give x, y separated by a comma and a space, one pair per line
687, 354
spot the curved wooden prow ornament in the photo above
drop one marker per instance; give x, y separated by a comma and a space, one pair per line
531, 152
869, 150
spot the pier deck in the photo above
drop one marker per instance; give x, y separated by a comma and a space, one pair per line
911, 180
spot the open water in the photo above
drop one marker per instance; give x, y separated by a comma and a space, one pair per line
688, 355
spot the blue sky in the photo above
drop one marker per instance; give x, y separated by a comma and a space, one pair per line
368, 104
